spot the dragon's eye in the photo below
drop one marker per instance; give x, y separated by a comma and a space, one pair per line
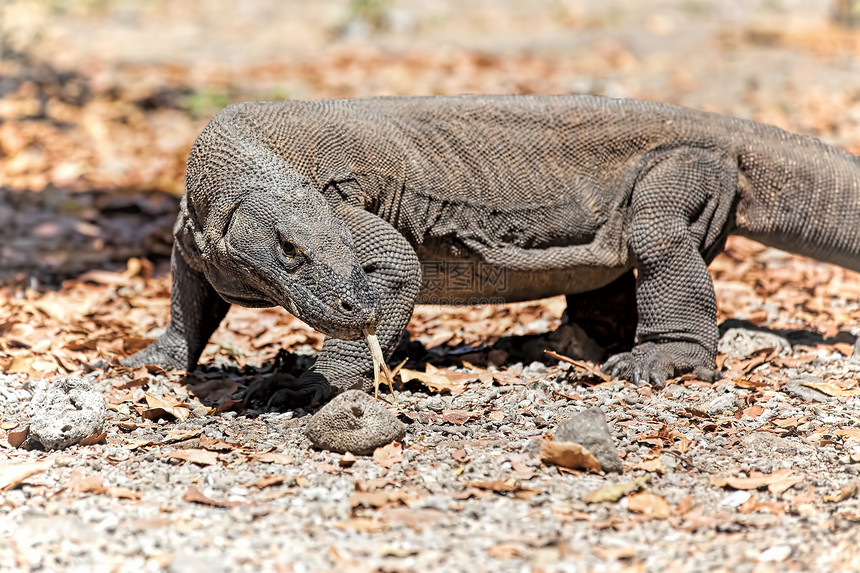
288, 249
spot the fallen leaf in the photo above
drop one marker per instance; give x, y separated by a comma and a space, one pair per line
160, 405
197, 456
649, 504
122, 492
20, 365
776, 482
80, 482
832, 389
216, 445
518, 491
388, 455
438, 380
379, 498
568, 454
181, 435
496, 415
581, 365
15, 439
846, 493
754, 411
458, 417
135, 444
653, 465
11, 475
269, 481
361, 524
497, 485
614, 553
505, 551
615, 492
93, 439
273, 458
194, 495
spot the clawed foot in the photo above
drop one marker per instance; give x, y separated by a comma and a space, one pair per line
160, 353
655, 363
285, 392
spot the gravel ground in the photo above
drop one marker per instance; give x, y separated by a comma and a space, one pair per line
468, 490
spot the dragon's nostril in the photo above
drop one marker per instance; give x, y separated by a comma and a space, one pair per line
345, 306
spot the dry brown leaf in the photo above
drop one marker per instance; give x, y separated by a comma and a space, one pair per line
496, 415
754, 411
160, 405
135, 444
653, 465
12, 475
196, 496
499, 486
844, 348
361, 525
373, 483
20, 365
17, 438
273, 458
122, 492
616, 491
505, 378
776, 482
458, 417
649, 504
591, 369
217, 445
388, 455
506, 551
197, 456
379, 498
832, 389
269, 481
181, 435
80, 482
437, 379
568, 454
495, 485
94, 439
614, 554
846, 493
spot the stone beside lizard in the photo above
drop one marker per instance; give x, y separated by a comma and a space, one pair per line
329, 208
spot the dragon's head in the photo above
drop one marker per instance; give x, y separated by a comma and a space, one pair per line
279, 243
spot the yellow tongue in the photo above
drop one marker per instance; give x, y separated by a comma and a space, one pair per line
379, 364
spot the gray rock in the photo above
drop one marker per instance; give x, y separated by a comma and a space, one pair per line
796, 388
354, 422
765, 444
723, 403
741, 342
65, 412
588, 428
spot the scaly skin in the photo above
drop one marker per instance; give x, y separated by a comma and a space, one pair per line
332, 209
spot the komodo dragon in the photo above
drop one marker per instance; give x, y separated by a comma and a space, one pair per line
331, 209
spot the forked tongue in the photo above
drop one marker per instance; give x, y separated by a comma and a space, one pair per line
380, 367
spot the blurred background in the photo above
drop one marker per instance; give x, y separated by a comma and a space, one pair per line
100, 100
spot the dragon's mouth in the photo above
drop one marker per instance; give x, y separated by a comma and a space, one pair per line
246, 302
